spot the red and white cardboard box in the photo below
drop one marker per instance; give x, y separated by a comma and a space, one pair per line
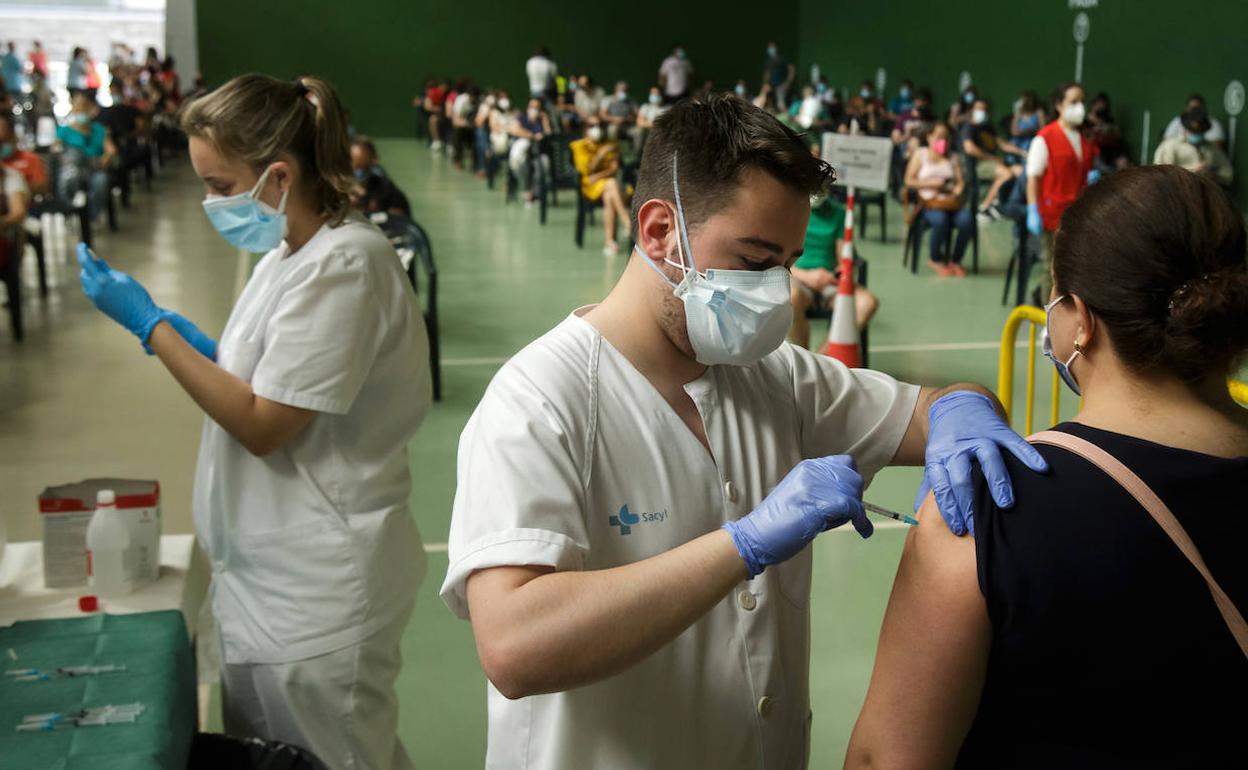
66, 512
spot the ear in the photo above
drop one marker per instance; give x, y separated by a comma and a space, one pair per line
1085, 324
282, 175
656, 229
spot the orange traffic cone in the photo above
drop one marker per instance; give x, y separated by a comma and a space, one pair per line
842, 343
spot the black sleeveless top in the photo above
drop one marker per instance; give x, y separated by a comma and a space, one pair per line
1108, 651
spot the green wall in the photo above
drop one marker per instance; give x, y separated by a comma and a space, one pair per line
378, 53
1147, 54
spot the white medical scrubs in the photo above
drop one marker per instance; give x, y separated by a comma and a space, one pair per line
315, 557
573, 460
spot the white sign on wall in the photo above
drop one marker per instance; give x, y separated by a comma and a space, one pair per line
860, 161
964, 81
881, 81
1233, 101
1083, 28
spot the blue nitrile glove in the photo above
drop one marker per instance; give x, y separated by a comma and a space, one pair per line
817, 495
206, 345
965, 426
1035, 225
117, 295
1094, 176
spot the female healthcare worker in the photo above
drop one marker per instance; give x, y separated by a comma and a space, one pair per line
320, 380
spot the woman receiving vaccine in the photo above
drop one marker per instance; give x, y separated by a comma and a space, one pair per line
317, 385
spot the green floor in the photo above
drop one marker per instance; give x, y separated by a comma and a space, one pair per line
505, 279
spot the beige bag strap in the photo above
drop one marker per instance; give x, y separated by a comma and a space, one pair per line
1160, 513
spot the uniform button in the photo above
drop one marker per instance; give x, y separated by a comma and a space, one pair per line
730, 490
747, 600
765, 705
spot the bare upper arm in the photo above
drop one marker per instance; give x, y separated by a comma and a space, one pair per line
279, 424
932, 655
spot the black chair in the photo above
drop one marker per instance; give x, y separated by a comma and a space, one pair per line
865, 199
585, 208
556, 174
825, 313
1022, 259
412, 244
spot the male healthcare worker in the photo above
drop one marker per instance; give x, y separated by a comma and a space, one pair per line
638, 487
312, 396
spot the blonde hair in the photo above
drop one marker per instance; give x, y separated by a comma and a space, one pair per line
256, 118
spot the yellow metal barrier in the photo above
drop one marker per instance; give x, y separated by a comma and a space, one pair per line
1005, 372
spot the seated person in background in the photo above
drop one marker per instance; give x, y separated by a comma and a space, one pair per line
432, 102
914, 121
619, 114
766, 100
1102, 131
1028, 119
501, 118
481, 131
1193, 151
936, 175
647, 114
1070, 631
598, 161
528, 131
374, 190
27, 164
742, 90
867, 111
903, 102
959, 113
1215, 134
818, 271
14, 199
988, 153
128, 129
807, 112
88, 154
462, 112
588, 98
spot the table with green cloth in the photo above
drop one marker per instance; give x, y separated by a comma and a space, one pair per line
159, 673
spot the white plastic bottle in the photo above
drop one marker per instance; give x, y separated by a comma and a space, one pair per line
110, 549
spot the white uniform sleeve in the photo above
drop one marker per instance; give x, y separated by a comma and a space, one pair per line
1174, 128
14, 182
858, 412
322, 338
520, 498
1037, 158
1215, 132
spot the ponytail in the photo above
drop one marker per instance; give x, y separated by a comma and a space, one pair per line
256, 118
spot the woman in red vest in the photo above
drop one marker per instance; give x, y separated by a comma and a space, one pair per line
1059, 165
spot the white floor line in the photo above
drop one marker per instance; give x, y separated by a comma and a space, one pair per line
917, 347
242, 272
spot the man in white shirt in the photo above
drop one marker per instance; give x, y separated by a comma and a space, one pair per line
1216, 134
625, 539
541, 71
1194, 151
674, 75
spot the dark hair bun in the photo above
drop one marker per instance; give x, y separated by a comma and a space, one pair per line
1208, 323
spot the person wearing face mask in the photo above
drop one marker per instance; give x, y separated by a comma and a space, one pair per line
1061, 162
1039, 640
808, 113
1193, 151
675, 74
597, 158
374, 190
959, 113
528, 130
638, 488
317, 385
588, 99
903, 102
988, 157
647, 114
89, 153
28, 164
501, 118
779, 73
618, 114
936, 174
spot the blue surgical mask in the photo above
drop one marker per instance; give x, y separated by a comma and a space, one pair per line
245, 221
1195, 138
360, 174
740, 89
905, 92
1046, 347
732, 316
820, 88
81, 118
656, 99
865, 93
6, 150
969, 97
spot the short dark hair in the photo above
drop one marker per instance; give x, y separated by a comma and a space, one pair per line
1196, 120
1160, 256
366, 144
717, 138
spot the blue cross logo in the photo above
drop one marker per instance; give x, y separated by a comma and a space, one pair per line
625, 520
